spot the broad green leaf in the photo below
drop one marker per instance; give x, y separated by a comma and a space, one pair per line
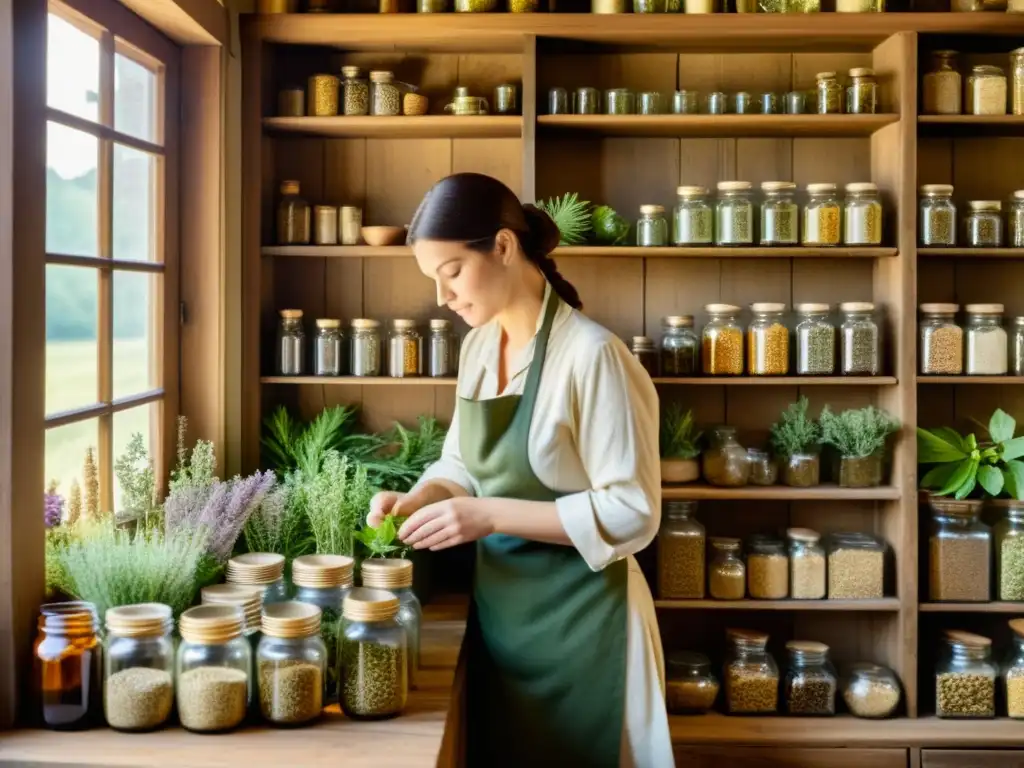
967, 488
1013, 479
965, 469
1001, 426
938, 476
932, 449
951, 436
1013, 449
991, 480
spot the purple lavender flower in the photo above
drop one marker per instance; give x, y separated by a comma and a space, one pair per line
53, 508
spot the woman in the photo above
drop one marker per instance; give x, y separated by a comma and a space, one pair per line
551, 466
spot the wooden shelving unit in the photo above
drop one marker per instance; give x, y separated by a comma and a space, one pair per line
420, 127
596, 251
704, 126
886, 604
823, 492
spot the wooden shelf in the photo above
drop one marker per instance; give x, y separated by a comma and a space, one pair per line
886, 604
979, 253
599, 251
996, 607
972, 125
402, 127
717, 125
361, 381
1006, 380
824, 492
779, 381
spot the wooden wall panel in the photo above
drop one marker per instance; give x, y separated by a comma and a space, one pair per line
611, 291
399, 173
500, 158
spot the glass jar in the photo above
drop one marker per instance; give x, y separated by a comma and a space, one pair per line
356, 92
938, 215
806, 564
829, 94
291, 344
328, 354
751, 675
821, 215
374, 650
405, 349
1008, 533
324, 581
645, 353
291, 664
1015, 220
767, 340
619, 101
213, 669
442, 359
716, 103
734, 214
856, 567
558, 101
743, 103
725, 462
476, 6
815, 340
959, 552
810, 680
322, 95
862, 92
364, 350
986, 91
690, 687
1013, 673
250, 601
941, 340
796, 103
801, 470
871, 691
68, 666
858, 471
1017, 82
680, 552
728, 574
325, 225
722, 341
651, 227
395, 576
780, 216
649, 6
769, 103
941, 87
1017, 347
586, 101
859, 352
692, 220
763, 469
986, 349
686, 103
680, 348
767, 569
650, 102
293, 216
862, 215
260, 569
983, 227
138, 679
965, 677
385, 98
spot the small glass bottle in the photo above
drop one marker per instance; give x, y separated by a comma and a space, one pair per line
1013, 673
769, 103
690, 686
751, 675
986, 350
293, 216
734, 214
328, 354
810, 680
385, 98
767, 569
767, 340
291, 664
780, 215
650, 103
643, 350
965, 677
1015, 220
680, 348
806, 564
727, 578
138, 681
260, 569
291, 344
984, 224
856, 567
68, 666
405, 349
743, 103
821, 215
862, 215
862, 92
722, 341
324, 581
686, 103
558, 101
815, 340
396, 576
796, 103
941, 340
213, 669
442, 358
829, 94
619, 101
651, 227
725, 462
374, 651
1017, 347
872, 691
937, 215
586, 101
681, 566
859, 352
986, 91
941, 87
716, 103
693, 222
959, 552
364, 349
356, 92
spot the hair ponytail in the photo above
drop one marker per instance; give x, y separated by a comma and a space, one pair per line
542, 240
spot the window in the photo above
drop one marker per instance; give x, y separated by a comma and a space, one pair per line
111, 292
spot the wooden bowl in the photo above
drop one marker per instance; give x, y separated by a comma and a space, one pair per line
384, 235
414, 104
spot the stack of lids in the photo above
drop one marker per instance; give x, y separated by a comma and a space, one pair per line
322, 571
140, 620
255, 568
291, 619
211, 624
249, 599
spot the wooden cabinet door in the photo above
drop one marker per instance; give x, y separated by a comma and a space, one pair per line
973, 758
788, 757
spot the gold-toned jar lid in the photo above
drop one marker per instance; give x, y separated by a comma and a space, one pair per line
856, 306
734, 186
955, 507
721, 309
806, 646
290, 187
291, 314
382, 76
726, 543
350, 71
211, 623
678, 321
860, 187
767, 306
650, 210
440, 324
1018, 194
387, 573
248, 598
984, 309
812, 308
140, 620
643, 341
747, 636
987, 70
363, 604
803, 534
328, 322
365, 323
862, 72
967, 639
939, 308
825, 75
320, 210
820, 188
985, 205
291, 620
691, 191
945, 53
403, 323
777, 186
932, 190
255, 568
317, 571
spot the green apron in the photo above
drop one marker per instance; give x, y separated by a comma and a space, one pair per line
546, 653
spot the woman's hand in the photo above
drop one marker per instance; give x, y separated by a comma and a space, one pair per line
387, 503
446, 524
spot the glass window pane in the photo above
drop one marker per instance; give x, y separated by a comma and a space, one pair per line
71, 192
134, 347
126, 424
134, 204
72, 69
135, 89
71, 332
65, 461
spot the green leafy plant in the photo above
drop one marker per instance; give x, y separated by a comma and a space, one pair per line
135, 475
382, 541
856, 432
571, 215
609, 227
963, 465
337, 499
403, 455
679, 438
289, 445
795, 432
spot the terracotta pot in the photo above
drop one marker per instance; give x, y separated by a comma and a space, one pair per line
675, 471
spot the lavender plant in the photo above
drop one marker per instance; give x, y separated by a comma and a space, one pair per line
53, 506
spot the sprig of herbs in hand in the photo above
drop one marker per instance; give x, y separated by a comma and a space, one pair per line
382, 541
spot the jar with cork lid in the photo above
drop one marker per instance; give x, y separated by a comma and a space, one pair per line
291, 344
364, 348
859, 348
751, 675
680, 349
959, 552
68, 666
986, 350
734, 214
806, 564
291, 664
138, 680
395, 575
693, 222
767, 340
984, 224
356, 92
385, 96
324, 581
862, 92
405, 349
727, 575
986, 91
965, 677
862, 214
829, 93
822, 215
722, 341
941, 85
780, 215
329, 350
374, 650
1013, 674
941, 340
260, 569
249, 599
937, 215
293, 216
815, 340
811, 680
651, 227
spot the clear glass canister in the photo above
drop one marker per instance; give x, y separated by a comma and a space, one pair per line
1013, 672
986, 351
291, 344
291, 664
374, 650
364, 348
767, 569
329, 352
725, 462
214, 664
722, 341
769, 103
260, 569
734, 214
293, 216
692, 219
815, 340
442, 359
385, 97
862, 92
871, 691
806, 564
405, 349
1017, 347
829, 93
965, 677
856, 567
138, 681
727, 578
619, 101
1017, 81
686, 103
941, 340
649, 6
764, 470
986, 91
680, 348
767, 340
558, 101
1008, 533
938, 215
680, 552
651, 227
959, 552
324, 581
862, 215
249, 599
716, 103
690, 686
68, 666
811, 680
859, 352
941, 86
650, 103
356, 92
395, 576
983, 227
751, 675
796, 102
743, 103
586, 101
780, 215
821, 215
1015, 220
802, 470
642, 348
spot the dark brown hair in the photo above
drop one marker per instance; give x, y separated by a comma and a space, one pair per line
471, 208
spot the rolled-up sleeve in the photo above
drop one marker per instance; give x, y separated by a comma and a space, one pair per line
450, 466
616, 431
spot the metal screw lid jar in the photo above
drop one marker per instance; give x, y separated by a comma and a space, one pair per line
690, 686
965, 677
829, 94
862, 214
937, 215
1015, 220
751, 675
986, 351
138, 680
293, 216
821, 215
734, 214
780, 215
68, 666
328, 352
806, 564
815, 340
810, 680
722, 341
986, 91
1017, 347
941, 340
862, 92
871, 691
442, 357
642, 348
291, 344
941, 86
959, 552
260, 569
395, 575
767, 340
385, 98
356, 90
364, 348
984, 224
680, 347
324, 581
727, 575
405, 349
859, 343
651, 227
692, 220
374, 648
680, 552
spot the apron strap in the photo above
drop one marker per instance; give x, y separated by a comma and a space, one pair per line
540, 350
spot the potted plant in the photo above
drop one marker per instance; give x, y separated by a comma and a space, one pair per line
679, 446
858, 436
795, 439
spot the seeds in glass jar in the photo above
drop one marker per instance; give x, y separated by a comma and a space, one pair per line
811, 694
683, 696
722, 351
816, 350
138, 698
212, 698
860, 350
871, 698
681, 567
386, 99
779, 224
855, 574
727, 584
965, 694
734, 224
693, 226
330, 628
768, 350
322, 95
943, 351
768, 576
750, 691
1015, 693
821, 225
983, 231
1011, 569
373, 679
938, 227
958, 569
357, 97
290, 691
807, 576
863, 224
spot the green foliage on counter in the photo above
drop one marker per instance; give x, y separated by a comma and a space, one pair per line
856, 432
609, 227
571, 215
679, 438
795, 432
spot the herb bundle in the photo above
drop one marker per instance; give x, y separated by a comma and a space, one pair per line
795, 432
857, 432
